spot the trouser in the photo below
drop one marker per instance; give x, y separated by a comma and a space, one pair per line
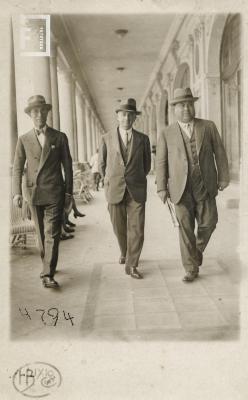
205, 213
96, 177
128, 220
48, 221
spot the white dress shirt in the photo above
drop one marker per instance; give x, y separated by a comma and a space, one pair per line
126, 135
187, 127
41, 135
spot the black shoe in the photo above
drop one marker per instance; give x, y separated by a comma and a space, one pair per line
122, 260
42, 275
66, 236
135, 273
49, 282
78, 214
67, 229
70, 224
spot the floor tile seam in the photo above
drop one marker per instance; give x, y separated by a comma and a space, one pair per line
91, 301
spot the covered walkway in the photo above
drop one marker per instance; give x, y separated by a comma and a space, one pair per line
105, 303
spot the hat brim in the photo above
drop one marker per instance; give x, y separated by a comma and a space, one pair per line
183, 99
29, 108
129, 110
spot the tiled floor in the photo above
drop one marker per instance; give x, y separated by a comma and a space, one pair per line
104, 303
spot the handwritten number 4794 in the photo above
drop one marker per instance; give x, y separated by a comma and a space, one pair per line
48, 317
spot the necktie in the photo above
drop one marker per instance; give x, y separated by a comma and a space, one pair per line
189, 130
126, 139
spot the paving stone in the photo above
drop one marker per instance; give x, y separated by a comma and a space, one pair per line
156, 292
123, 322
153, 305
194, 303
168, 320
201, 319
115, 307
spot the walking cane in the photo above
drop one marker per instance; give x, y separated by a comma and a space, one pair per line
172, 213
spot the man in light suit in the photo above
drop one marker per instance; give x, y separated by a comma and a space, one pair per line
44, 151
191, 167
125, 161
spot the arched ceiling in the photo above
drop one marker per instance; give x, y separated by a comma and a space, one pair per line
100, 51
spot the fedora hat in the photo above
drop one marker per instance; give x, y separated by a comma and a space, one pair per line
36, 101
128, 105
183, 94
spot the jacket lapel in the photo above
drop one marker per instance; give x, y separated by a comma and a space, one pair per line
116, 144
34, 144
47, 147
199, 134
136, 140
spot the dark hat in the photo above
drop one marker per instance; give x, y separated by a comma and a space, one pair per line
37, 101
128, 105
183, 94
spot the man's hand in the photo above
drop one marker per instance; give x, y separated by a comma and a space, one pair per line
17, 200
68, 203
222, 185
163, 195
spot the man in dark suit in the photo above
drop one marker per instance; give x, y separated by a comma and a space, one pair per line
191, 167
44, 151
125, 161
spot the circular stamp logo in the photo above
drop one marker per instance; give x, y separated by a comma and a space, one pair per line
37, 379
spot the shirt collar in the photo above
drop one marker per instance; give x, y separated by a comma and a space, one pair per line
123, 132
184, 125
41, 130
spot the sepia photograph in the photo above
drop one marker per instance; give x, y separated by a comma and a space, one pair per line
127, 201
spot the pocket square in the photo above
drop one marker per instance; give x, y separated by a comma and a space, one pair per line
52, 146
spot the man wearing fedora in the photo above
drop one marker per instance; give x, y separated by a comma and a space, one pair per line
191, 167
44, 151
125, 161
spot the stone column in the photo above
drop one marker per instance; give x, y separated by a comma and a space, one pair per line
54, 84
12, 108
74, 118
243, 248
146, 120
81, 126
88, 132
32, 75
93, 132
66, 101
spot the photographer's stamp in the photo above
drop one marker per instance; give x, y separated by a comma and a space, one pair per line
37, 379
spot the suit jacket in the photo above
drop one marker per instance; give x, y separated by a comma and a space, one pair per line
172, 163
44, 180
118, 177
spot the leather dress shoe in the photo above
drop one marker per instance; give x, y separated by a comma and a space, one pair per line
122, 260
49, 282
190, 276
134, 273
42, 274
70, 224
78, 214
66, 236
67, 229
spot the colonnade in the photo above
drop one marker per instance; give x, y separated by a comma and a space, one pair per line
73, 111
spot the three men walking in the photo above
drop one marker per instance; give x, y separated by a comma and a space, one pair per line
191, 166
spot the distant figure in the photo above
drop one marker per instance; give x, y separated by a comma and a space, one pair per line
95, 170
45, 151
191, 167
125, 161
